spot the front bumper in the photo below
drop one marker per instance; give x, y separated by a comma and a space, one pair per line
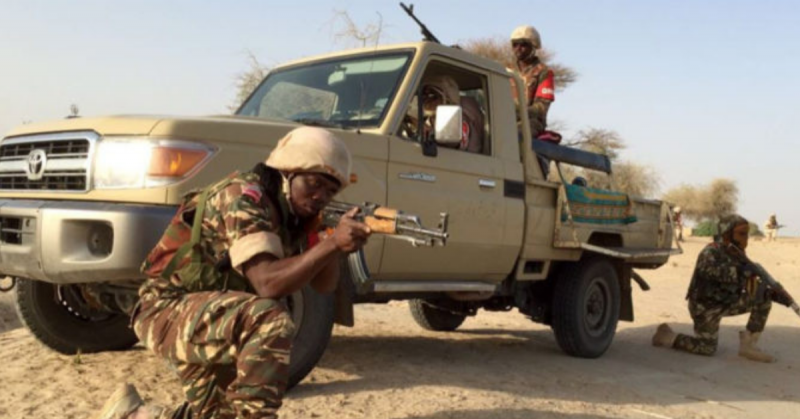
67, 242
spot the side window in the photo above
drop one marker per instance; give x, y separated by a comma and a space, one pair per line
444, 84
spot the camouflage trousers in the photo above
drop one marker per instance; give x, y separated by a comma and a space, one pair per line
230, 349
706, 324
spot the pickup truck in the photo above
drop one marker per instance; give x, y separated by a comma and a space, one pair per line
83, 200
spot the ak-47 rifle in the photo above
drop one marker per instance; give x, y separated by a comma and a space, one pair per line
389, 221
425, 32
783, 296
382, 220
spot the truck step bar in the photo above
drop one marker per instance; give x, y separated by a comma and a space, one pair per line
630, 254
433, 286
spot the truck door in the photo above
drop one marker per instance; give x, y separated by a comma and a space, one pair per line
468, 185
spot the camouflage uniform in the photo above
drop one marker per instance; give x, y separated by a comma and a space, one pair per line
771, 228
678, 224
229, 346
720, 287
539, 92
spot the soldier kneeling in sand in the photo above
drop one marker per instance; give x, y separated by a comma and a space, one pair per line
723, 286
226, 332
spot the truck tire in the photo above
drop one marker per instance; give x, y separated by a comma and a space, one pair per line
586, 304
59, 318
432, 318
312, 314
56, 317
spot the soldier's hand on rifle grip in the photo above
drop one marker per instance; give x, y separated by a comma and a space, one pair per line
350, 234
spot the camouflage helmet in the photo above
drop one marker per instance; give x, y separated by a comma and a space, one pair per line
446, 86
314, 150
529, 34
728, 222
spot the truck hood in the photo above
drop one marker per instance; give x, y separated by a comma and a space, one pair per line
223, 129
104, 125
214, 129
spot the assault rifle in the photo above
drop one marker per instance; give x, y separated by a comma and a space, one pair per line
776, 287
389, 221
381, 220
424, 29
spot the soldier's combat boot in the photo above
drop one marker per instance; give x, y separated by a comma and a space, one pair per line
123, 401
664, 336
749, 350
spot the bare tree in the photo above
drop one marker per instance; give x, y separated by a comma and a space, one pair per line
636, 179
688, 198
723, 197
247, 81
598, 140
369, 34
709, 202
499, 49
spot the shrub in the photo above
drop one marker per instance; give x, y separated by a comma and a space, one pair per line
705, 228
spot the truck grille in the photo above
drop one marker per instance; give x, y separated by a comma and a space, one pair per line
57, 162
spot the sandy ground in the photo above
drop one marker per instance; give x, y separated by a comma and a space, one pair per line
498, 365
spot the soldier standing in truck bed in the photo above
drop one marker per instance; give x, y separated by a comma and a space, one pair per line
226, 332
539, 79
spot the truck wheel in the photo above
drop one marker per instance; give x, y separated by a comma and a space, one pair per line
430, 317
59, 317
586, 303
312, 314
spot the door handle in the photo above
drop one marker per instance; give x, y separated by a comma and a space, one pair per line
486, 183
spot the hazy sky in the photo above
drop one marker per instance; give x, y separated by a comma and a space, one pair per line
698, 90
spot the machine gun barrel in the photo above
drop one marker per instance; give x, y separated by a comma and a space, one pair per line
424, 29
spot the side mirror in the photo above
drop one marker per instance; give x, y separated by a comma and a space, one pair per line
448, 124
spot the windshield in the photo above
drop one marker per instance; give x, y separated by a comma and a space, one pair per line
350, 92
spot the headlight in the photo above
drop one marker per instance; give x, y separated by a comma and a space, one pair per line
140, 163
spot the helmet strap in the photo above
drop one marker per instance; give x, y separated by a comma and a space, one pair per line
287, 189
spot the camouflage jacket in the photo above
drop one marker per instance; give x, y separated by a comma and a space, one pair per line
215, 231
719, 278
539, 93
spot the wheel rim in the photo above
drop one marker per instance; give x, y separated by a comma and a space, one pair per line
597, 307
70, 299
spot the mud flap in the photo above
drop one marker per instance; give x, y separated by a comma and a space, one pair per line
626, 294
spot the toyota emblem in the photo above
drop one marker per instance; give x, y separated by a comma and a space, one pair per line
35, 163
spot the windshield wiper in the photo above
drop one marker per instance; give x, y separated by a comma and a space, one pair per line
318, 123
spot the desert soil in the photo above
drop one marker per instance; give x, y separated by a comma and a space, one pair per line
497, 365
